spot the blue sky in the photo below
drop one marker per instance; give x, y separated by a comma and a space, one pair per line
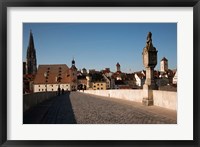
100, 45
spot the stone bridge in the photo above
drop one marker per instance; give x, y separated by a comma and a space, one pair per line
82, 108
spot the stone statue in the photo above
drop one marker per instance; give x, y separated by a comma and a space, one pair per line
149, 40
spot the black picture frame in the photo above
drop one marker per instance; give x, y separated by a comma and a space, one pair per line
98, 3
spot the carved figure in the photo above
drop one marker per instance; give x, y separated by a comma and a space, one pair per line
149, 40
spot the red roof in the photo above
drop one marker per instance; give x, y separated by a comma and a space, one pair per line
54, 72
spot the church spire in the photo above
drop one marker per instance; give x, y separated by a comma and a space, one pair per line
31, 61
31, 40
73, 62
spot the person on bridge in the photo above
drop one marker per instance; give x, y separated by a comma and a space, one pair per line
63, 92
58, 90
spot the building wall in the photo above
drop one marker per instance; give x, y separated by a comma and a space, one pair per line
50, 87
108, 84
99, 85
163, 66
139, 82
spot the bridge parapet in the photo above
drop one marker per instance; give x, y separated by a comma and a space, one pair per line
164, 99
30, 100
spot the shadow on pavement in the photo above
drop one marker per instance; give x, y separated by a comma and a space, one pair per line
57, 110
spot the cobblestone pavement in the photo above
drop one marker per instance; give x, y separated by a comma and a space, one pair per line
81, 108
90, 109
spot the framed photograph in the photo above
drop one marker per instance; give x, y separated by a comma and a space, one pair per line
86, 73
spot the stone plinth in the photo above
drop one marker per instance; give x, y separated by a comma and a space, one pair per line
147, 95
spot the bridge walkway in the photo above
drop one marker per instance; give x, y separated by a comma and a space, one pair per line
81, 108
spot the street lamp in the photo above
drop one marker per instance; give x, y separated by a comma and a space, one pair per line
45, 75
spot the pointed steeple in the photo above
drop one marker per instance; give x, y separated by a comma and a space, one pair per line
31, 40
31, 61
73, 62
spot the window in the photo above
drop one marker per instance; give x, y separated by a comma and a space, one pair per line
39, 89
101, 88
101, 84
39, 86
42, 89
52, 89
97, 88
97, 84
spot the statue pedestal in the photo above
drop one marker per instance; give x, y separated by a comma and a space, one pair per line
147, 95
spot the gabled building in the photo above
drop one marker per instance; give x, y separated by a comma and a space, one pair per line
140, 78
97, 81
51, 77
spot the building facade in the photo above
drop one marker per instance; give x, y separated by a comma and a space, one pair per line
98, 85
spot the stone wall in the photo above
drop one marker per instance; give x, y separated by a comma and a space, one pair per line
131, 95
30, 100
164, 99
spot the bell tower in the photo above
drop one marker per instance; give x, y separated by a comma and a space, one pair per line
31, 61
73, 75
164, 65
118, 67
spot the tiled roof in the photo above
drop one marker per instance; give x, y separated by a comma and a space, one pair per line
97, 77
54, 71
